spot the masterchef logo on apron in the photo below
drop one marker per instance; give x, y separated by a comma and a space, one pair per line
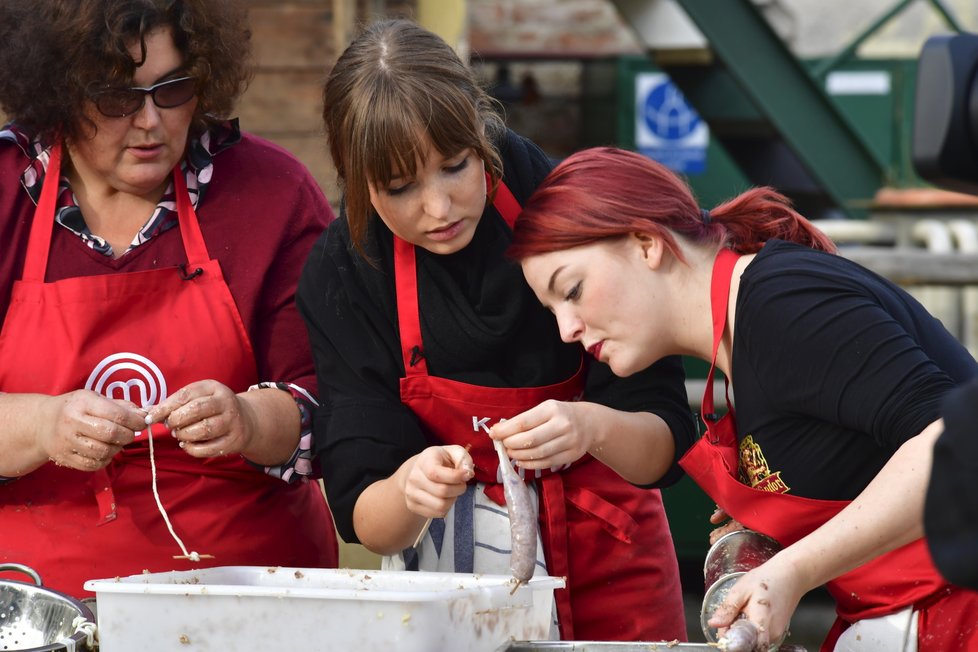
128, 377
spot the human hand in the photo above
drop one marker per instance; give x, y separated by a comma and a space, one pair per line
208, 418
434, 478
549, 435
767, 596
718, 517
84, 430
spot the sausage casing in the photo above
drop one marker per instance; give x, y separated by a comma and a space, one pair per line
522, 519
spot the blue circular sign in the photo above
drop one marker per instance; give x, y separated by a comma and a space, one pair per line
667, 114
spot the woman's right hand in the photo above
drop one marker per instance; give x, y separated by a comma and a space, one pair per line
434, 478
83, 430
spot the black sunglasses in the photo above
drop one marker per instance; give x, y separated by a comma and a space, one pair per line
122, 102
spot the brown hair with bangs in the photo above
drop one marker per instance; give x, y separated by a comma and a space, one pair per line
394, 84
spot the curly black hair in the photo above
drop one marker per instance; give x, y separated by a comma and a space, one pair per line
54, 52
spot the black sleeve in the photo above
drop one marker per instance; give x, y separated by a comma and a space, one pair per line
951, 508
526, 165
362, 430
845, 354
660, 389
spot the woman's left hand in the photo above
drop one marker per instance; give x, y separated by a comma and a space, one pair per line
725, 523
552, 434
208, 418
767, 595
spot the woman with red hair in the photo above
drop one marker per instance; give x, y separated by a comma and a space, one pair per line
830, 446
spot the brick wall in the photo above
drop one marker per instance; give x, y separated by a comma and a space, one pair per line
548, 27
296, 43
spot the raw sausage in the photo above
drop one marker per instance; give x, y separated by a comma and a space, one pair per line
740, 637
522, 519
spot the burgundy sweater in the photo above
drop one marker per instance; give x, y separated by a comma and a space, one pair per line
260, 217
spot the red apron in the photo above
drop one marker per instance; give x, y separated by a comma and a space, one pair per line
622, 577
887, 584
137, 336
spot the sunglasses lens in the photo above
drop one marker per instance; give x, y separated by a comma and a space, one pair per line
174, 93
118, 103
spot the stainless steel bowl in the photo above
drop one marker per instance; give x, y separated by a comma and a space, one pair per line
38, 619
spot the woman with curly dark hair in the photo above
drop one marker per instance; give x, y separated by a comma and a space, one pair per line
156, 385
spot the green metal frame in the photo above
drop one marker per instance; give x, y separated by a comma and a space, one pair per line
791, 100
846, 53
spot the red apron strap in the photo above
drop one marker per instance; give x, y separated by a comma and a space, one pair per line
193, 239
101, 484
408, 313
616, 522
553, 521
505, 202
39, 242
719, 298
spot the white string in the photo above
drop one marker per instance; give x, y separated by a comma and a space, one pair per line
82, 624
906, 632
192, 556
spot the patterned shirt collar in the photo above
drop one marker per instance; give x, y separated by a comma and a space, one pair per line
197, 166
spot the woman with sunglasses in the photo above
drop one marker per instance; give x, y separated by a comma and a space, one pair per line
151, 257
838, 377
426, 337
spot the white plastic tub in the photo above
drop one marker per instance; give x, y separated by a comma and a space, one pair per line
286, 609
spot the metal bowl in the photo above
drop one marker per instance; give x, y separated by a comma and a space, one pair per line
41, 620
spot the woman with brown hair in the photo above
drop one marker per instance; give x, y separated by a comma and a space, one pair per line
425, 337
838, 376
151, 256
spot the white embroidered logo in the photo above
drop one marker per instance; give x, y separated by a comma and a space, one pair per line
129, 377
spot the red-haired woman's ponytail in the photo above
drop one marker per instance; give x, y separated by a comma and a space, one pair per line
606, 192
761, 214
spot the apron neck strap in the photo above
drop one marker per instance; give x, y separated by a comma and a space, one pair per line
505, 202
42, 227
193, 239
39, 241
719, 298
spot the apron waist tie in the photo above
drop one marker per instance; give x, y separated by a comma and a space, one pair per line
616, 521
553, 522
101, 483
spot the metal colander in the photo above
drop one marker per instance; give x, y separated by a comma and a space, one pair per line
40, 620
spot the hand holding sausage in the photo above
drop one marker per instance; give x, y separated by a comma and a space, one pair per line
208, 419
767, 595
549, 435
83, 430
434, 478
